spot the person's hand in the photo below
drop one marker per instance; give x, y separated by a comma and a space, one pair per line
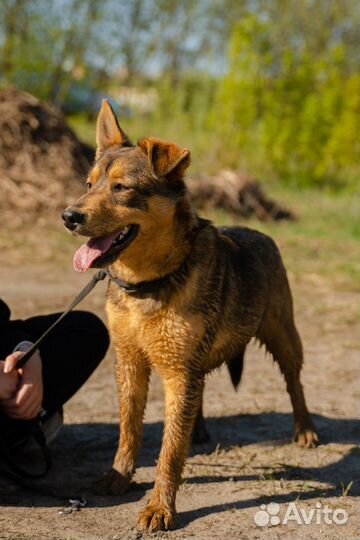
26, 403
9, 381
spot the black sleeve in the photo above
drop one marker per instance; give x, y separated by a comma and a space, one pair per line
4, 314
11, 332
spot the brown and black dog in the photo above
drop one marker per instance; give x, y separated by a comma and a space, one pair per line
184, 298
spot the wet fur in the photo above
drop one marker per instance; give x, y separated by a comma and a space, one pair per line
231, 287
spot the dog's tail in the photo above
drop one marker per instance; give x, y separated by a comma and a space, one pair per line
235, 367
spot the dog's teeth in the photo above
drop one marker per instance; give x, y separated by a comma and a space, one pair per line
123, 233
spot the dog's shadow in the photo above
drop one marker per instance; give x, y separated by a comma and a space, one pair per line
83, 451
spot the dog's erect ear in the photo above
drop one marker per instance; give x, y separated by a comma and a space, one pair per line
108, 131
165, 159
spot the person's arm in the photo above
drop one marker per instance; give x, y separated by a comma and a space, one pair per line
26, 403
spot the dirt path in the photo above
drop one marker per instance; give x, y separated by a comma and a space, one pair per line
250, 460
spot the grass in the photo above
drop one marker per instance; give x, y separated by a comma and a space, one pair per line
346, 489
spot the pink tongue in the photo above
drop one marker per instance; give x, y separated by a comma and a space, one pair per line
89, 252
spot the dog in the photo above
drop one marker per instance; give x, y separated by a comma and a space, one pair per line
184, 297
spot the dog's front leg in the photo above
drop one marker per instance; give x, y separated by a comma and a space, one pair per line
132, 374
182, 401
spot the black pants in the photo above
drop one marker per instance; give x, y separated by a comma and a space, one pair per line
69, 356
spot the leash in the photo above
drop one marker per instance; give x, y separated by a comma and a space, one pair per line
144, 287
99, 276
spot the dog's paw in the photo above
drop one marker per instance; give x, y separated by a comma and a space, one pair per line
306, 437
155, 518
112, 483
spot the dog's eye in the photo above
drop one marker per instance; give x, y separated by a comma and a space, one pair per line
118, 187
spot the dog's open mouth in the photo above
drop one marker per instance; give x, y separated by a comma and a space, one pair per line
98, 252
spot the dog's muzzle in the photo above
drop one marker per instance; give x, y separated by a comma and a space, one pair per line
72, 219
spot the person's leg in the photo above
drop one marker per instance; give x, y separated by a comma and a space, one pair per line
70, 354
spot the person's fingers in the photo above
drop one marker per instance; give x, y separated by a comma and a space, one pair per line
24, 408
11, 361
26, 403
24, 396
9, 387
9, 407
30, 409
29, 400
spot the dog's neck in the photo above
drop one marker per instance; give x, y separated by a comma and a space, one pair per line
159, 253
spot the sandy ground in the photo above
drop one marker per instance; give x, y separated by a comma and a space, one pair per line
250, 461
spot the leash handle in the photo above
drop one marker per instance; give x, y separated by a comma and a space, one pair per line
99, 276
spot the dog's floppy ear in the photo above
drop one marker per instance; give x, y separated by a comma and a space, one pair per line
108, 131
165, 159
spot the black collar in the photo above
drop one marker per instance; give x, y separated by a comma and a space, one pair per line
145, 288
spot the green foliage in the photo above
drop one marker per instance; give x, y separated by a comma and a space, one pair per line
293, 111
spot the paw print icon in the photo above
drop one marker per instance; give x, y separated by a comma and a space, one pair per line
267, 515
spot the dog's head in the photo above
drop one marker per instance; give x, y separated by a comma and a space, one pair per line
133, 195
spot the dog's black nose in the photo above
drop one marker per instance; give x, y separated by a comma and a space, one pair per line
72, 218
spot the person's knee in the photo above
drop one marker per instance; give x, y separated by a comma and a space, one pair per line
93, 330
98, 332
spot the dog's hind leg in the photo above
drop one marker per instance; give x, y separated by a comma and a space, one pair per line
279, 334
200, 434
235, 366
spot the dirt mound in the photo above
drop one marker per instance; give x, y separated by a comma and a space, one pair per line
238, 194
42, 163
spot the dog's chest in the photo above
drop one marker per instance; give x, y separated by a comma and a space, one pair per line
167, 336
